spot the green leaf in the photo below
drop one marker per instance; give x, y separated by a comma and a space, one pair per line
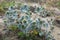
13, 27
20, 33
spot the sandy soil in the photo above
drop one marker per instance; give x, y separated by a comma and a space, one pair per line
56, 33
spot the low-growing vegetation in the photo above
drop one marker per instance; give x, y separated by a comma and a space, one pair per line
28, 24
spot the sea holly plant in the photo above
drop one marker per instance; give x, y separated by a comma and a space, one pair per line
30, 28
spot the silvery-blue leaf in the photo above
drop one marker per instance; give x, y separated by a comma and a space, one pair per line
46, 24
27, 17
29, 21
21, 18
41, 33
25, 8
20, 26
28, 28
11, 8
37, 10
